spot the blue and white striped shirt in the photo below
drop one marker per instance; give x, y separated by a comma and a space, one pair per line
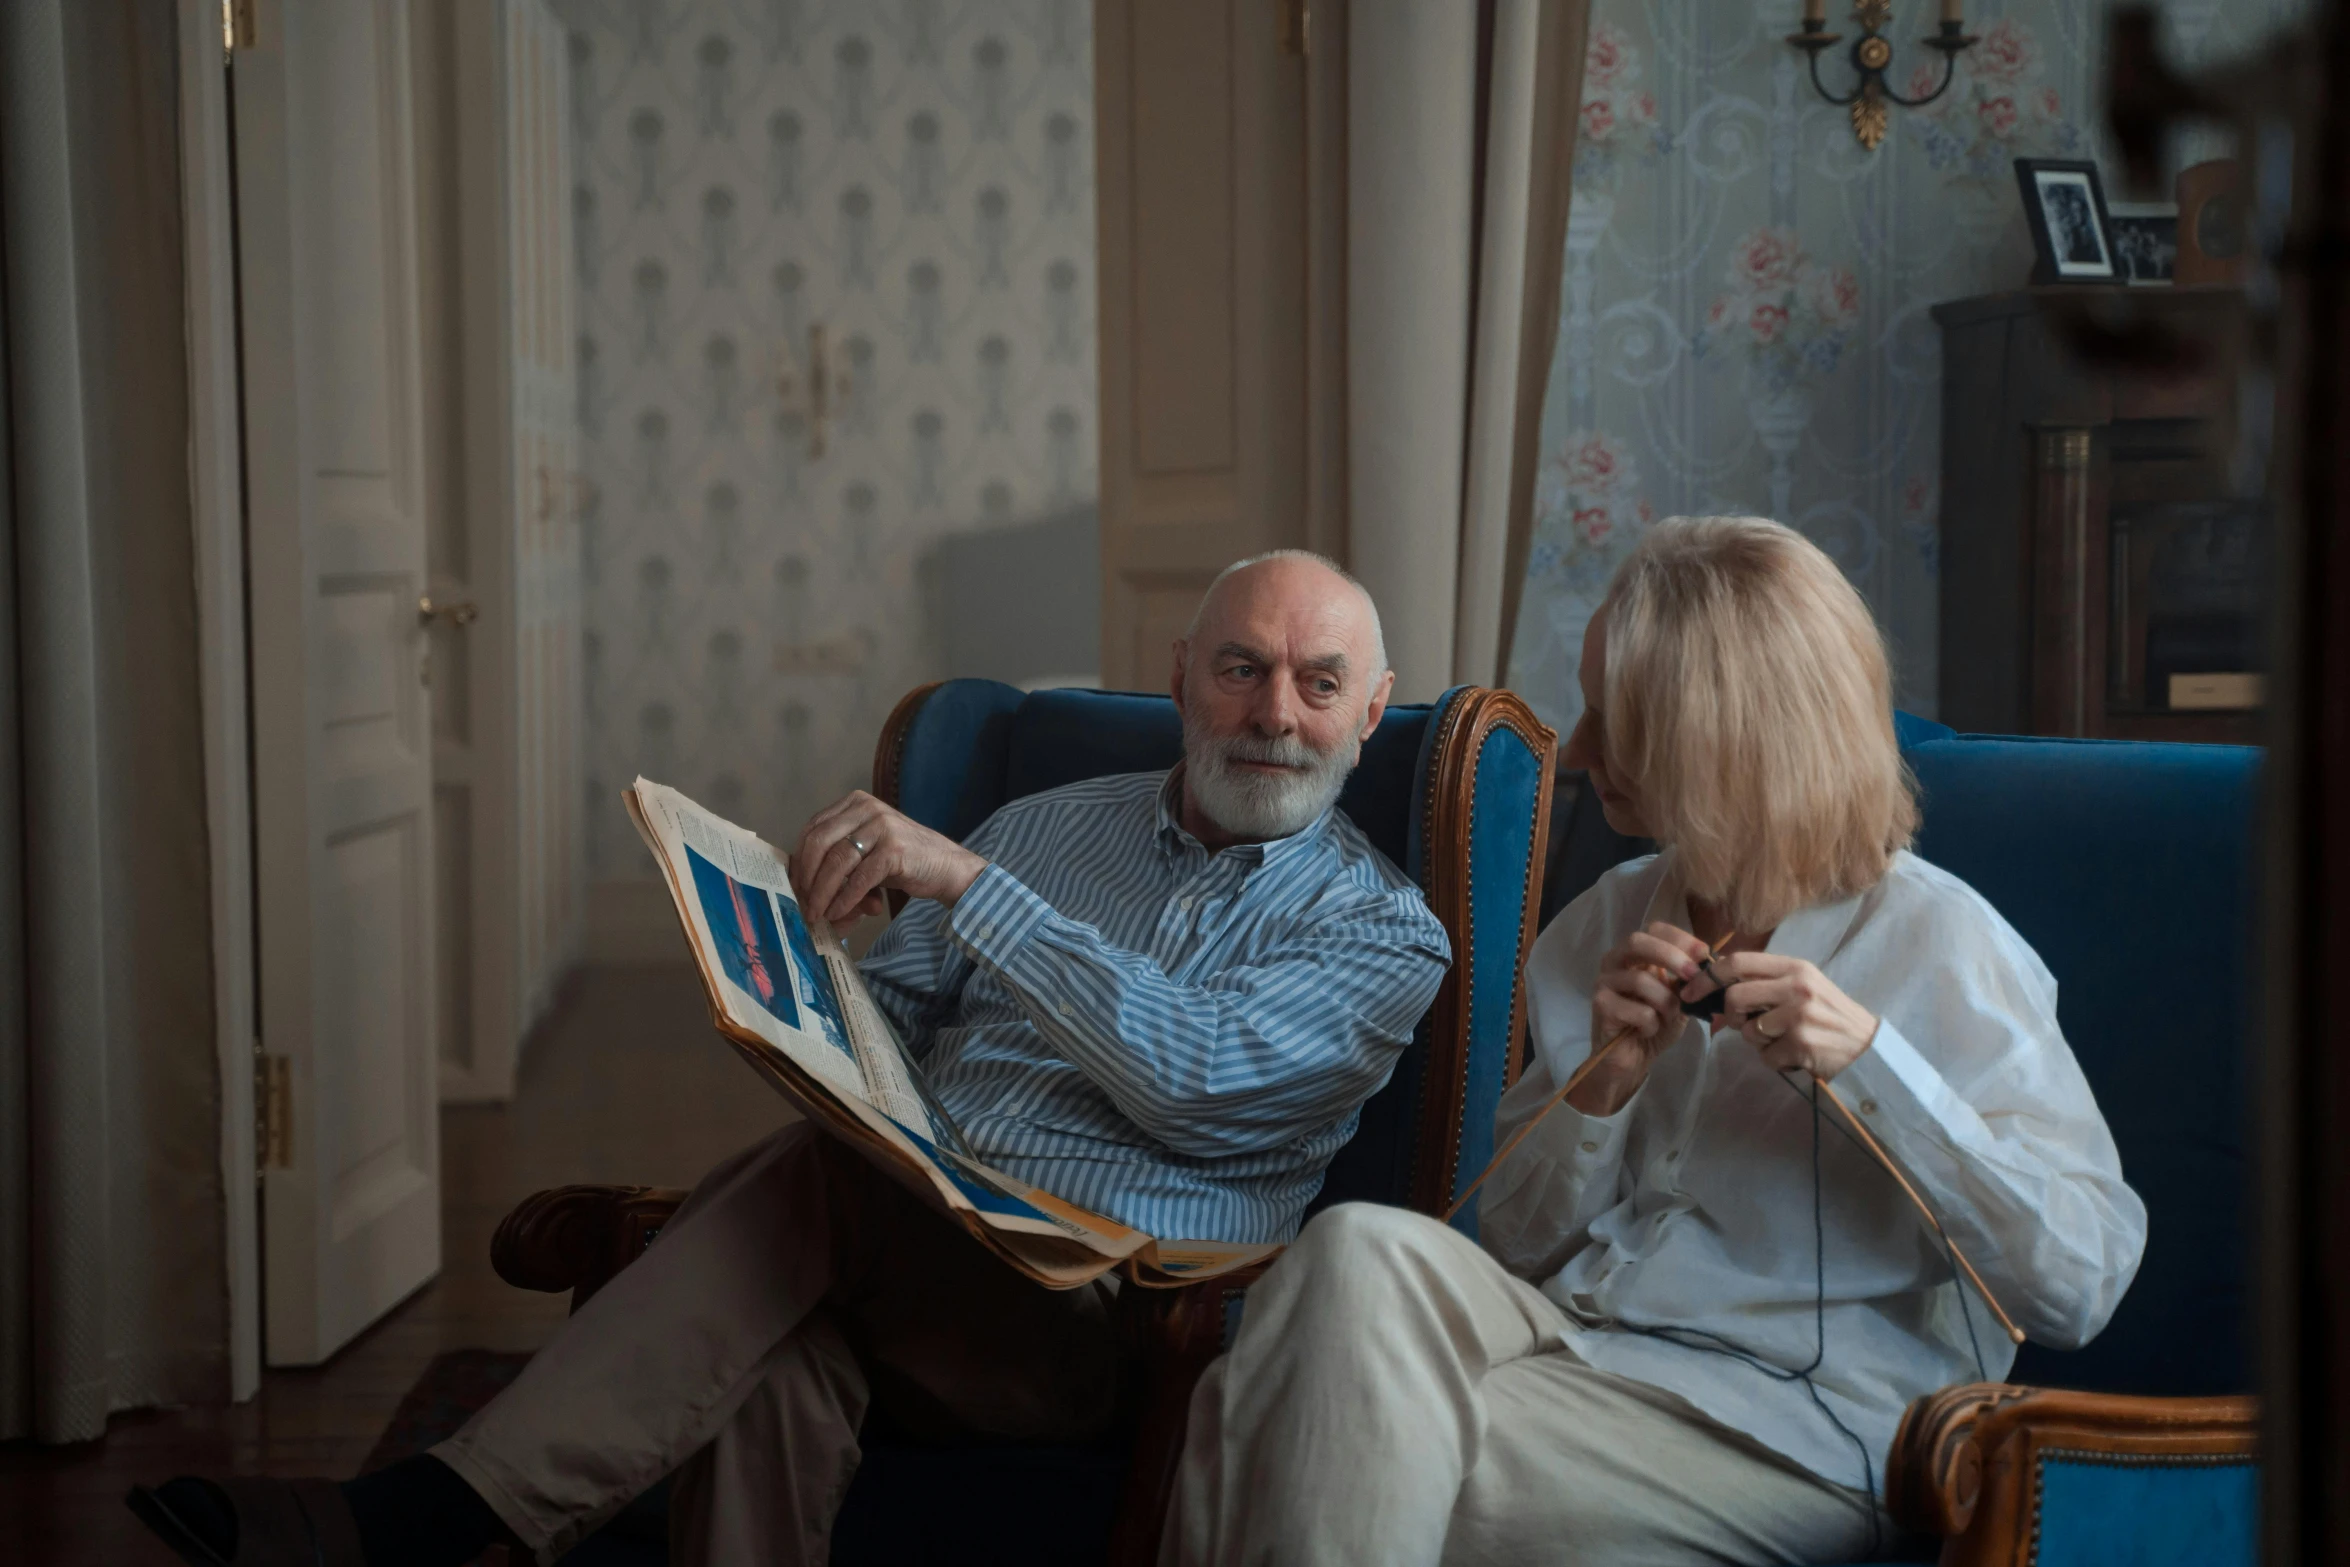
1177, 1039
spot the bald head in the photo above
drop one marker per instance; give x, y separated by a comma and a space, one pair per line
1280, 678
1295, 577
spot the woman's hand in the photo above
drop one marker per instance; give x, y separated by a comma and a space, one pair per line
1639, 997
1799, 1019
855, 849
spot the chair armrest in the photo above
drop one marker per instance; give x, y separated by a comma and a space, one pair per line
1175, 1333
1972, 1463
577, 1237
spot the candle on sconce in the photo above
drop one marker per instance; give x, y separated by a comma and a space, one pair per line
1815, 12
1951, 10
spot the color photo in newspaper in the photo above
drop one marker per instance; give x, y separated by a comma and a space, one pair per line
786, 993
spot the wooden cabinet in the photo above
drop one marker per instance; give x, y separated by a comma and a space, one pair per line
2101, 524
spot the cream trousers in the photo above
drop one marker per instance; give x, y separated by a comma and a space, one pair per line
1394, 1396
795, 1286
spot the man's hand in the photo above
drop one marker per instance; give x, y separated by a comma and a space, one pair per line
851, 851
1801, 1019
1639, 996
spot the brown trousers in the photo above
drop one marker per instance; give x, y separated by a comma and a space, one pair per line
796, 1286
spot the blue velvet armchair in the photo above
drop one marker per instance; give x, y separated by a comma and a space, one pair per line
1457, 793
2129, 868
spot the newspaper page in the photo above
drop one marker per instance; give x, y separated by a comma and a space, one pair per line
787, 977
788, 995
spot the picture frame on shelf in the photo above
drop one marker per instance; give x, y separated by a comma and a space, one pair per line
2072, 234
2145, 241
2212, 231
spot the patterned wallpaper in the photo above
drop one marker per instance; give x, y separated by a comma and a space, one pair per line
916, 176
1745, 313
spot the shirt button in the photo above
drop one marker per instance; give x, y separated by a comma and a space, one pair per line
1868, 1107
1184, 904
1068, 1010
1672, 1154
1591, 1147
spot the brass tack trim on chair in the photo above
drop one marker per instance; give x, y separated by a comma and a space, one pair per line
2084, 1455
1967, 1462
889, 759
889, 752
1443, 1021
1473, 717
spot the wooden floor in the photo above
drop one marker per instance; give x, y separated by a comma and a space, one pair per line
627, 1082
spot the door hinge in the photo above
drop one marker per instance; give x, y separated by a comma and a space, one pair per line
1297, 26
239, 27
273, 1111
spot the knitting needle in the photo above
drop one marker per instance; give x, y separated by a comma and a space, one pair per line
1574, 1081
1869, 1140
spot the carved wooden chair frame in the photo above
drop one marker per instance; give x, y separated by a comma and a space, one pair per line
1966, 1466
578, 1237
1969, 1463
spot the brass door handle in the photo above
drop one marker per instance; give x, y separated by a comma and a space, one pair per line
816, 393
460, 613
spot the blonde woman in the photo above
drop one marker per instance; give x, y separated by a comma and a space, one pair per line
1700, 1306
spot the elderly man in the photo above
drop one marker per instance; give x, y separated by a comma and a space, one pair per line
1164, 995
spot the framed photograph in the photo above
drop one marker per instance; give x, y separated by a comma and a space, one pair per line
2066, 207
2145, 240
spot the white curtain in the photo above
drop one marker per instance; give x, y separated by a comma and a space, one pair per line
113, 1289
1460, 137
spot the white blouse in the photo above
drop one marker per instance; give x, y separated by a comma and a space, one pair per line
1692, 1206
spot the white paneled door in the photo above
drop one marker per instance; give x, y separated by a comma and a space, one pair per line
342, 757
506, 572
1211, 320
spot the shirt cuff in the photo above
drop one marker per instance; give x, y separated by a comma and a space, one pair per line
1591, 1141
1890, 1083
995, 916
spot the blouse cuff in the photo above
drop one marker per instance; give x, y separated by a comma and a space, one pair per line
1890, 1083
1592, 1140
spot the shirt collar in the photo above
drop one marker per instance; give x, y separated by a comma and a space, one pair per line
1174, 838
1812, 934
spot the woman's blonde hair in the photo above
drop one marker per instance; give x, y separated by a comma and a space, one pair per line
1749, 706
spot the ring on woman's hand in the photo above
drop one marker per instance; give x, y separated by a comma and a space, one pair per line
860, 846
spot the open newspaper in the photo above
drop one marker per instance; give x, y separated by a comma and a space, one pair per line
784, 992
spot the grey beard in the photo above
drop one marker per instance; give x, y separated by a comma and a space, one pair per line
1248, 805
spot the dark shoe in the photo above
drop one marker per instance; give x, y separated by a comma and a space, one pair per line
280, 1523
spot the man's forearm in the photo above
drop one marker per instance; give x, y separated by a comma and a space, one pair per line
1260, 1057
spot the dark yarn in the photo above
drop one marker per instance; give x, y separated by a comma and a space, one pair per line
1708, 1006
418, 1513
1714, 1343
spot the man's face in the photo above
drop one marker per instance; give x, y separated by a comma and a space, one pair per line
1278, 689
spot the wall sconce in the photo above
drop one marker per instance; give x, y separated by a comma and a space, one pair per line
1872, 55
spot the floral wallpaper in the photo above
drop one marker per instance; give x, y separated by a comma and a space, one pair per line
915, 177
1745, 320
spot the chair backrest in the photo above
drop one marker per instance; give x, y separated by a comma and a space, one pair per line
1455, 793
2128, 866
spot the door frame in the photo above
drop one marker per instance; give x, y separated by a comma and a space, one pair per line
484, 762
217, 493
